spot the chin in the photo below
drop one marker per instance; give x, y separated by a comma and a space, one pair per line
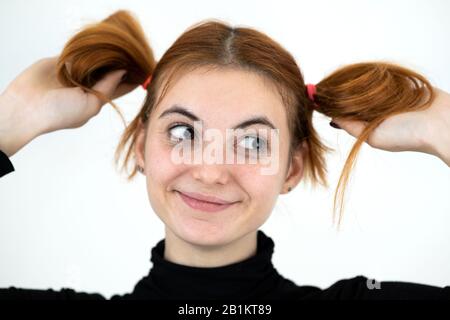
203, 233
202, 228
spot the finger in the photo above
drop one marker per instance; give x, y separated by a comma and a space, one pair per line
68, 67
353, 127
107, 85
123, 89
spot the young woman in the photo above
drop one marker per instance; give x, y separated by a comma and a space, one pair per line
218, 77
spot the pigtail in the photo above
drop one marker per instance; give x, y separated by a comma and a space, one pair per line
371, 92
117, 42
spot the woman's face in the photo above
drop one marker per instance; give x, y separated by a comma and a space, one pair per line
221, 100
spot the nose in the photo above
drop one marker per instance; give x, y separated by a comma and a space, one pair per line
210, 174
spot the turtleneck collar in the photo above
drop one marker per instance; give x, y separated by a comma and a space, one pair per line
253, 277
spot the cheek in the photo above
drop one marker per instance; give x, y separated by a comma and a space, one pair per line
262, 192
160, 168
262, 189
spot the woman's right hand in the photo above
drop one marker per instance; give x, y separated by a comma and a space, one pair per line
35, 103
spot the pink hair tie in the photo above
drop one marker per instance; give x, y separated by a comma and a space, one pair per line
311, 88
147, 82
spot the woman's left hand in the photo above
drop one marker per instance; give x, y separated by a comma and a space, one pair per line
425, 131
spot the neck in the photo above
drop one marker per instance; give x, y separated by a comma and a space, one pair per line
181, 252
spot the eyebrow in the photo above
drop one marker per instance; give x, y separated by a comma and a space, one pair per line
177, 109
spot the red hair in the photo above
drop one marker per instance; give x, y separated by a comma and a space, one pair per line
365, 91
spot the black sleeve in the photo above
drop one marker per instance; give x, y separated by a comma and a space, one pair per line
361, 287
13, 293
5, 164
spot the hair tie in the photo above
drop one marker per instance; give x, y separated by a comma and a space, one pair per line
147, 82
311, 89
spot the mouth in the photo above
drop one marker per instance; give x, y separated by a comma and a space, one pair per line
202, 205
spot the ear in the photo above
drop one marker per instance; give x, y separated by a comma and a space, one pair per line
139, 146
295, 172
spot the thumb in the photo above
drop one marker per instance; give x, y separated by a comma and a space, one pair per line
353, 127
107, 85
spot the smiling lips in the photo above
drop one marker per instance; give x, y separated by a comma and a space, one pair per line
200, 202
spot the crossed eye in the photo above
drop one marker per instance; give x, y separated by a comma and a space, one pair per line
181, 132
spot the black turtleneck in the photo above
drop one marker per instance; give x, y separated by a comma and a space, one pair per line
253, 278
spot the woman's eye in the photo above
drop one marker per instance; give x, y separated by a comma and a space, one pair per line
254, 143
181, 132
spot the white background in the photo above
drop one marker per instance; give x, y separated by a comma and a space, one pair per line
67, 219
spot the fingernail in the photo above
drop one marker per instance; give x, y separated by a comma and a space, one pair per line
334, 125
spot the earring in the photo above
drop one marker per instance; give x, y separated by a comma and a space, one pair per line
289, 189
140, 169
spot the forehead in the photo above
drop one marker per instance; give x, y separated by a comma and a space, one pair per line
225, 96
